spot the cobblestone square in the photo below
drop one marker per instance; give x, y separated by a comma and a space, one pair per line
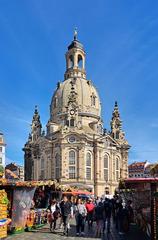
45, 234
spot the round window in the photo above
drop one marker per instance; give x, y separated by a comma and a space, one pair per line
72, 139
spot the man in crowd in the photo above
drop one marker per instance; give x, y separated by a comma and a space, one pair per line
107, 214
66, 213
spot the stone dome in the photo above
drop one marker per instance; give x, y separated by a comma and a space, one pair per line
75, 98
88, 101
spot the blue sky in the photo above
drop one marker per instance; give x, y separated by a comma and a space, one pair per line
121, 42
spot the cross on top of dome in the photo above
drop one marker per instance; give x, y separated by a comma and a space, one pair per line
75, 33
75, 43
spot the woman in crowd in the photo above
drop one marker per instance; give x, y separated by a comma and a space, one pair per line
80, 215
90, 212
53, 214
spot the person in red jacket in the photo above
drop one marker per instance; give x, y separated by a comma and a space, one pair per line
90, 212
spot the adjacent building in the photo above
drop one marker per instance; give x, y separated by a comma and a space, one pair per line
9, 175
15, 170
140, 170
76, 148
2, 150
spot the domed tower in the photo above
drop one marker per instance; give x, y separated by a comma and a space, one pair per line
75, 59
75, 103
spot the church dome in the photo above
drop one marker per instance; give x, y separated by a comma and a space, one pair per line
86, 96
76, 101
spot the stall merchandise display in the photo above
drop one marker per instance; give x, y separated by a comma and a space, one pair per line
36, 218
143, 193
4, 221
1, 171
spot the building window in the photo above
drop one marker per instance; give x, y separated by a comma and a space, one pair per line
42, 174
71, 61
88, 173
67, 123
72, 157
88, 166
0, 160
72, 172
117, 169
72, 164
117, 135
57, 166
106, 167
80, 61
55, 102
72, 139
0, 149
93, 100
72, 122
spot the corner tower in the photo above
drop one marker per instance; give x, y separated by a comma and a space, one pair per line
116, 125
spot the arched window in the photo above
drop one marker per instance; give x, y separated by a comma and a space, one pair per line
72, 122
71, 61
57, 166
93, 100
67, 123
72, 157
72, 164
106, 168
55, 102
117, 134
117, 169
88, 166
80, 61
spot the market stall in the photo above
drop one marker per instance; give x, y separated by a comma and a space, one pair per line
29, 201
144, 195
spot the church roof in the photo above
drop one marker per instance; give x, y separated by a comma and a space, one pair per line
75, 44
85, 90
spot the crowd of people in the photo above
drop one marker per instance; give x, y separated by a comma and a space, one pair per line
99, 210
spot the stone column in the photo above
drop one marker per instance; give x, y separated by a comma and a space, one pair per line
75, 60
81, 164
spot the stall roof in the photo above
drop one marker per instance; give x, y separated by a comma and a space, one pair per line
12, 183
75, 193
7, 182
141, 180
